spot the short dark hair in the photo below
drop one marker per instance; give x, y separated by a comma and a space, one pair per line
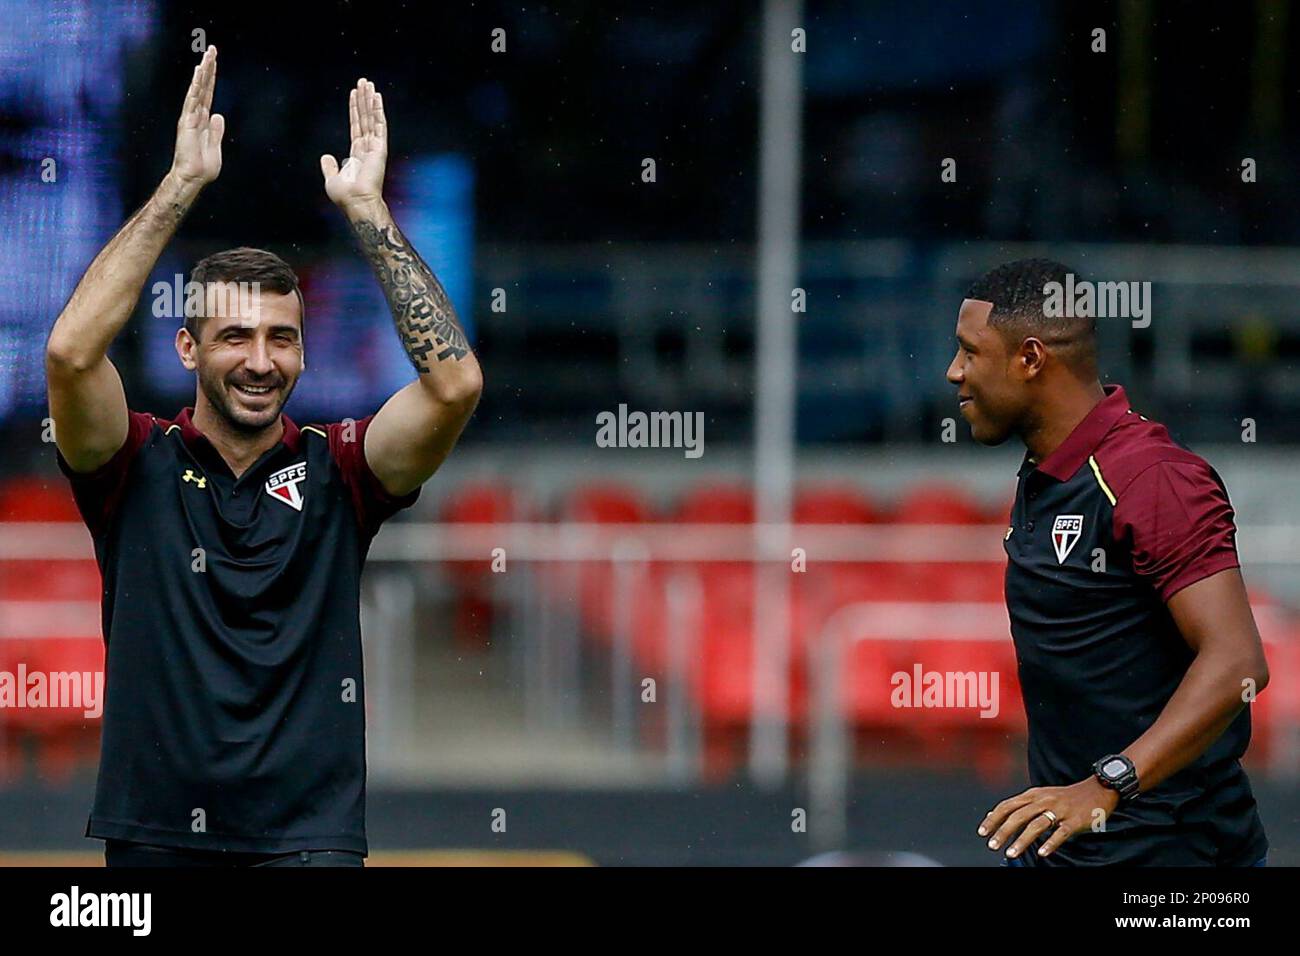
1016, 290
246, 264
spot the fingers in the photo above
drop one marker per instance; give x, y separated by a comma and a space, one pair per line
366, 111
329, 166
1031, 833
354, 118
1013, 825
363, 108
366, 106
999, 813
381, 123
192, 94
366, 123
209, 78
198, 98
216, 130
1055, 840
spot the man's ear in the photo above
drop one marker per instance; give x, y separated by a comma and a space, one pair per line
185, 348
1031, 357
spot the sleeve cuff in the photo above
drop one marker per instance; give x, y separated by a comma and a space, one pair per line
1201, 571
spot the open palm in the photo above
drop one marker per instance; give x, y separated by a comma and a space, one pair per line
199, 131
361, 178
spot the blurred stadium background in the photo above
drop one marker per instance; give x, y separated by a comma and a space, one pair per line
519, 177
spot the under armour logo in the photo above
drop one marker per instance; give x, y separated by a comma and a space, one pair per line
197, 479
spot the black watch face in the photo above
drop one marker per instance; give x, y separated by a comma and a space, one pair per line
1114, 768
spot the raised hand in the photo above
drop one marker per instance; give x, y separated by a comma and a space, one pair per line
361, 180
198, 132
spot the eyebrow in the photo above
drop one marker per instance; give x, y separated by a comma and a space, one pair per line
271, 328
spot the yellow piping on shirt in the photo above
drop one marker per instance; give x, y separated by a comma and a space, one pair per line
1096, 471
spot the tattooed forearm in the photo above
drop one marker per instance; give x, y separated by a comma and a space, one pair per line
425, 319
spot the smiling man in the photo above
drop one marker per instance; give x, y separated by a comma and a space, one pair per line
1136, 646
231, 540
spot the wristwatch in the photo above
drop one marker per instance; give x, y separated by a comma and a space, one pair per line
1116, 772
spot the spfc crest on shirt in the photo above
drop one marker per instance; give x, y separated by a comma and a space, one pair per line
284, 485
1066, 532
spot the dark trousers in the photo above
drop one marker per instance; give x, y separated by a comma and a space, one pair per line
124, 853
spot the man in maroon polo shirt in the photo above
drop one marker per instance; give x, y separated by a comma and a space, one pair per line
1136, 647
231, 541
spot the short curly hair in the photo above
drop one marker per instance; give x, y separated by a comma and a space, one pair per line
246, 264
1017, 292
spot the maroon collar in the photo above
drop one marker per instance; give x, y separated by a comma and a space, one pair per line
1087, 435
193, 436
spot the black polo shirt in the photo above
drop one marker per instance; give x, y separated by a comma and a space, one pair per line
1103, 533
234, 713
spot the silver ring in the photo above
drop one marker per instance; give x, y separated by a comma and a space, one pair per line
1051, 816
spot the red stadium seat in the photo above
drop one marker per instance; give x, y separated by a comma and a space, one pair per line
864, 679
34, 638
597, 581
716, 503
942, 734
64, 737
937, 504
37, 499
607, 503
480, 503
703, 504
834, 504
881, 581
953, 580
49, 580
721, 640
476, 503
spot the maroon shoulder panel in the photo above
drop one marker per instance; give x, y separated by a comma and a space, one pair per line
1170, 504
98, 492
370, 500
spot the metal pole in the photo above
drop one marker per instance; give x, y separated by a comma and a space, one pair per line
528, 638
682, 597
828, 765
569, 648
776, 366
377, 638
404, 657
628, 560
